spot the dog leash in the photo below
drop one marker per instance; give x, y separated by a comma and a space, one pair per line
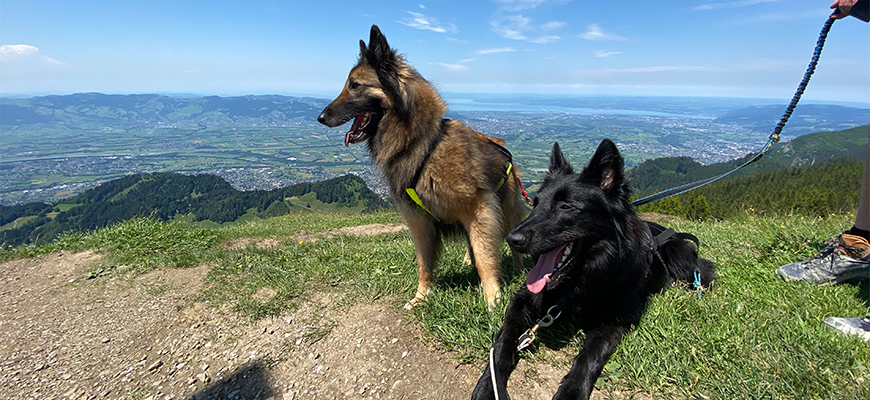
527, 338
774, 137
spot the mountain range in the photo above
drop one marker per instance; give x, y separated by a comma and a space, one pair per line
141, 111
137, 111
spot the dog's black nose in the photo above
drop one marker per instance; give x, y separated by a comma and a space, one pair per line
516, 239
322, 117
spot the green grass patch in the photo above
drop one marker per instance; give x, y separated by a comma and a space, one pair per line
752, 336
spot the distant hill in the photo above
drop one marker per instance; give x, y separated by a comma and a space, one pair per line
92, 110
820, 190
804, 151
806, 118
169, 195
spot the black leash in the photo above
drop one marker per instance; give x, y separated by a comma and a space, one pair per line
774, 137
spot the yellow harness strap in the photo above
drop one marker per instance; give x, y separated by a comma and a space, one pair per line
413, 195
507, 173
416, 199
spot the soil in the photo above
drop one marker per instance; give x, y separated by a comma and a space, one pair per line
63, 336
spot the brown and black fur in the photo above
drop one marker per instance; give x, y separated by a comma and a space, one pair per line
401, 117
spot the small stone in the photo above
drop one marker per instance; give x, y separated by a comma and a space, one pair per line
106, 340
155, 365
203, 378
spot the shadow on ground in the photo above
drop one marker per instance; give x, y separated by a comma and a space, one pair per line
250, 381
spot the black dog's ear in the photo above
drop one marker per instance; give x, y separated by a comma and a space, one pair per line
558, 163
606, 169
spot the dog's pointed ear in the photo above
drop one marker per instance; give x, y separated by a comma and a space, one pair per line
606, 169
362, 49
379, 50
558, 163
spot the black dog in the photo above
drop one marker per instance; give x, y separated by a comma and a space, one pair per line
595, 259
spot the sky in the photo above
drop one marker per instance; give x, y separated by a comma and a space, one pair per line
732, 48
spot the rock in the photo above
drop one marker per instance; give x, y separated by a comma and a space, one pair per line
155, 365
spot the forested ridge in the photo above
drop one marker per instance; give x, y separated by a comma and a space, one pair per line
831, 187
804, 151
166, 196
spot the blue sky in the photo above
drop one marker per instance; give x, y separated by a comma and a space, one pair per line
738, 48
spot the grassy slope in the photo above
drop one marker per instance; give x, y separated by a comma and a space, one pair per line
753, 336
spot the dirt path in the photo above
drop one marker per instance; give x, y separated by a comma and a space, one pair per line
66, 337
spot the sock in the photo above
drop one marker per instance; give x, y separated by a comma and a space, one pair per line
859, 232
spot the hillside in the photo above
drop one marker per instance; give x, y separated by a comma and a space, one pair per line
297, 307
807, 150
167, 196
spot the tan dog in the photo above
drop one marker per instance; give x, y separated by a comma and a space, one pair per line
456, 176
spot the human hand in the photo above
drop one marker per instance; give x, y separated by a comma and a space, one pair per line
843, 6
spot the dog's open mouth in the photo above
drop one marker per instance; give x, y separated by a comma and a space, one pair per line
357, 131
548, 264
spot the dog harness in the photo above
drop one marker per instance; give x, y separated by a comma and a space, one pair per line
412, 193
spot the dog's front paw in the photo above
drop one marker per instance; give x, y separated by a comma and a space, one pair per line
419, 298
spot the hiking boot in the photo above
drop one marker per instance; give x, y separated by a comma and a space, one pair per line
851, 326
846, 257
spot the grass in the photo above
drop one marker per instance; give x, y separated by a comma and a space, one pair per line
752, 336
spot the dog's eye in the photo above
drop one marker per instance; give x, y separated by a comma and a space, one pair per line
352, 84
564, 206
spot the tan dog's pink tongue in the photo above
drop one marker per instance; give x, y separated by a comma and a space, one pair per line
357, 121
537, 277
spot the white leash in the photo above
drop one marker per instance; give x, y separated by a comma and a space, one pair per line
492, 372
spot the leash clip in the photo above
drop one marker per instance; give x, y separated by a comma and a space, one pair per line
529, 336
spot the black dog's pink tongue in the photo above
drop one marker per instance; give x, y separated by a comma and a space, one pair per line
354, 129
537, 278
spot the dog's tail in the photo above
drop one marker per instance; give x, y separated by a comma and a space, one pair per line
679, 254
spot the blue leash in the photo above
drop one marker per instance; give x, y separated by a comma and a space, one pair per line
774, 137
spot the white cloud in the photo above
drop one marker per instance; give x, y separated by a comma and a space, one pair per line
23, 52
495, 50
518, 27
520, 5
422, 21
454, 67
731, 4
605, 53
594, 32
